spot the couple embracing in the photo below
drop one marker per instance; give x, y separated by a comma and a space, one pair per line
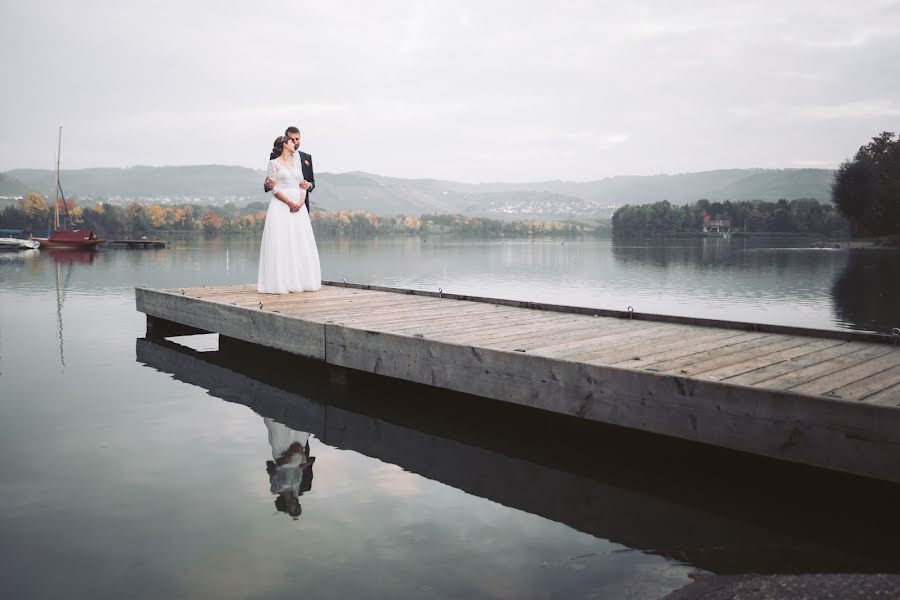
288, 257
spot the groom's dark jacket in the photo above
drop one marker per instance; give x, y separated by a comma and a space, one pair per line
308, 174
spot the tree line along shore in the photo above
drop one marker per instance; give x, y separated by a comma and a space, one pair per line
33, 214
799, 216
865, 202
804, 216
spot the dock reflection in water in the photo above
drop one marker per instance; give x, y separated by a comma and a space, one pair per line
716, 510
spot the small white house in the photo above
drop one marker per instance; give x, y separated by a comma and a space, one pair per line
716, 225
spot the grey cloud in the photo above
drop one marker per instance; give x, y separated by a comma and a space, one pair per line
469, 90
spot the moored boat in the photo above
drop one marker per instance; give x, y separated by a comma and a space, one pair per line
67, 238
11, 243
74, 238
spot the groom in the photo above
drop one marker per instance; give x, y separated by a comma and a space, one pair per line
309, 178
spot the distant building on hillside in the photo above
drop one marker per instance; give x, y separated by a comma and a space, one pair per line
716, 225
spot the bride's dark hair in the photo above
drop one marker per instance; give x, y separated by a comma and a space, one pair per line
277, 147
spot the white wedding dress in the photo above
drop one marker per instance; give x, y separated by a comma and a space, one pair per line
288, 473
288, 257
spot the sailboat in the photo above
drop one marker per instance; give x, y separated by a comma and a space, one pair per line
66, 238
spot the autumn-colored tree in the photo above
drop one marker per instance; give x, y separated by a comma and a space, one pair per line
184, 217
157, 216
75, 212
211, 222
36, 210
136, 219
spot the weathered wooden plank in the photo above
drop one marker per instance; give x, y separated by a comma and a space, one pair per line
677, 365
868, 386
326, 294
537, 333
448, 326
523, 325
385, 305
353, 306
374, 313
232, 298
629, 347
502, 319
368, 317
626, 341
231, 295
466, 333
447, 331
401, 316
320, 299
625, 331
821, 369
767, 359
731, 354
828, 383
682, 347
794, 364
574, 338
437, 318
287, 302
290, 304
889, 397
670, 347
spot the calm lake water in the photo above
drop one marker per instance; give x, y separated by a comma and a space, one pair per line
178, 469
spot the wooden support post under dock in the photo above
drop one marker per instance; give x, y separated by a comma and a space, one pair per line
830, 399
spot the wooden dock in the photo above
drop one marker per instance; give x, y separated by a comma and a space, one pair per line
829, 399
137, 244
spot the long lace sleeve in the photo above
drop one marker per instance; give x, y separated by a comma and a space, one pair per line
271, 172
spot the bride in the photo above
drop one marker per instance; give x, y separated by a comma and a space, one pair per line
288, 258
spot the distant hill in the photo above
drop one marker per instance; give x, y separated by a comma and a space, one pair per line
391, 195
560, 199
10, 186
214, 181
726, 184
382, 195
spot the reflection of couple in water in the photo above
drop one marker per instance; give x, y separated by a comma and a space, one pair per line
290, 473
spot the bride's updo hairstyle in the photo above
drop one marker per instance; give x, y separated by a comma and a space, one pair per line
277, 147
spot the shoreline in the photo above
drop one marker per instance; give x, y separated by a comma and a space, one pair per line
878, 245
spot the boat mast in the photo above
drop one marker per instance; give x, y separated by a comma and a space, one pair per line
56, 201
59, 323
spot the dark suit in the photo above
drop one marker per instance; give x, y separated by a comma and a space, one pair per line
306, 167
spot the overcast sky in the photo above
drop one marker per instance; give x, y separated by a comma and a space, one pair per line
464, 90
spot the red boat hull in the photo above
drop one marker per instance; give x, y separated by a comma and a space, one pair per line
78, 238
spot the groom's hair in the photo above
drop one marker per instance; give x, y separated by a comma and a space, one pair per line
291, 130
